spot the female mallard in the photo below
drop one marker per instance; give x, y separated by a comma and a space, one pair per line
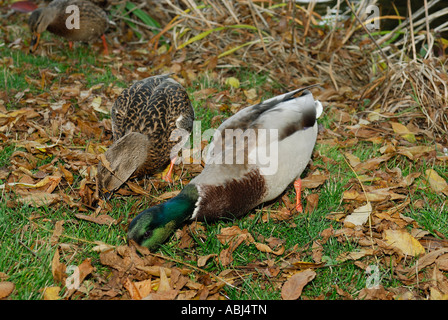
238, 174
144, 117
75, 20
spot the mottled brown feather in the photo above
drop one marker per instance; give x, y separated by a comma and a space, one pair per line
151, 107
93, 21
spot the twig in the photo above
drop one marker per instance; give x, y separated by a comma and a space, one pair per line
29, 249
411, 25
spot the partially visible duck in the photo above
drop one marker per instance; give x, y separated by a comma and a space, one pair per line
59, 17
144, 117
284, 127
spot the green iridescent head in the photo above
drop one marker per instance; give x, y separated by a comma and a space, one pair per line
153, 226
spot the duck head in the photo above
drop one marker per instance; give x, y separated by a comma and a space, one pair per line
154, 225
39, 20
125, 157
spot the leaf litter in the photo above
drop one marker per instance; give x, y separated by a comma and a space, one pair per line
58, 145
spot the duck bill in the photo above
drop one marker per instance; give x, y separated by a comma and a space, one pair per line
34, 42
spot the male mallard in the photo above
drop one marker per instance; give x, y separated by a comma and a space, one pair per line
144, 117
75, 20
283, 127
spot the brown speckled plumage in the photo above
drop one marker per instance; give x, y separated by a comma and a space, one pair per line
143, 119
93, 21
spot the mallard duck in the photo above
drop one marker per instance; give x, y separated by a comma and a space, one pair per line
59, 17
229, 186
144, 117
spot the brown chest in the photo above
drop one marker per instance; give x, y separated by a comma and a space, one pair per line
233, 199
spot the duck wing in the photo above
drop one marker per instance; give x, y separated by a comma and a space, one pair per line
147, 104
280, 116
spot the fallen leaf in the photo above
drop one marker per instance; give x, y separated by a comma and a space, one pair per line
437, 183
359, 216
352, 159
137, 189
52, 293
134, 293
265, 248
355, 255
292, 288
371, 164
312, 201
313, 180
164, 284
57, 232
168, 195
202, 260
144, 287
39, 199
58, 269
101, 219
6, 288
102, 247
404, 242
232, 81
375, 294
403, 131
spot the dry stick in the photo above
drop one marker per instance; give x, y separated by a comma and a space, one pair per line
309, 12
427, 25
198, 12
229, 9
258, 27
411, 25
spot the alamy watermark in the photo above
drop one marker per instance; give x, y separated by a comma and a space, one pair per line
373, 21
72, 21
374, 278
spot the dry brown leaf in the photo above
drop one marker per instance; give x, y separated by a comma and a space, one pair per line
202, 260
132, 290
437, 183
312, 201
313, 180
101, 219
165, 295
292, 288
414, 152
137, 189
376, 293
6, 288
38, 199
57, 232
144, 287
404, 242
403, 131
164, 284
373, 195
168, 195
265, 248
352, 159
359, 216
371, 164
355, 255
58, 269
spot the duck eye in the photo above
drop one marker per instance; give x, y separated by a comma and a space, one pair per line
147, 234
